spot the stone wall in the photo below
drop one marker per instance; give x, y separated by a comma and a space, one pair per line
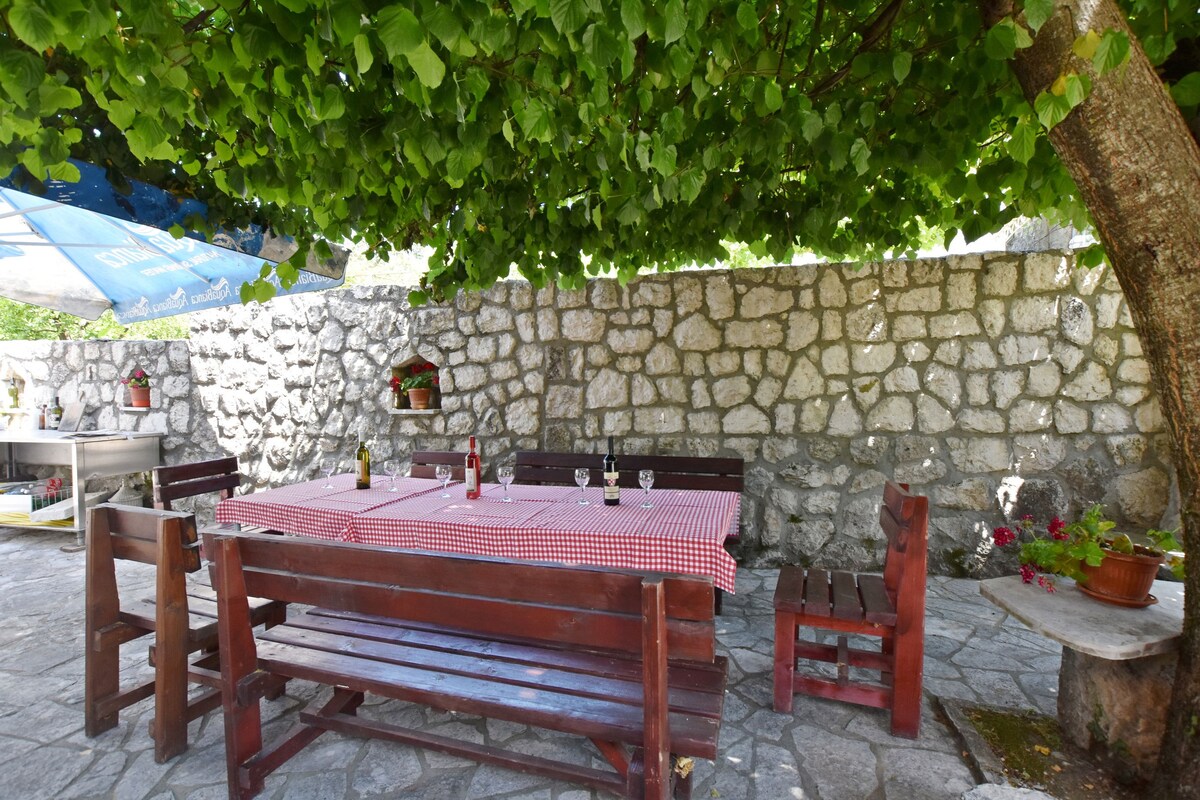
998, 384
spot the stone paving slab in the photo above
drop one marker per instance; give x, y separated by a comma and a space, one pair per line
824, 750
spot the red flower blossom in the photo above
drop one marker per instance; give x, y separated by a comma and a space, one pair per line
1003, 536
1055, 529
1027, 573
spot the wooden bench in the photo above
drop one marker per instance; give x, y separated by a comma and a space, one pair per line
182, 619
623, 658
890, 606
670, 472
425, 464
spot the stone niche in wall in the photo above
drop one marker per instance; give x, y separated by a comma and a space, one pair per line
410, 402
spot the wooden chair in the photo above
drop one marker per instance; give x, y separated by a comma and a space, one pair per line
200, 477
182, 620
425, 462
890, 606
670, 472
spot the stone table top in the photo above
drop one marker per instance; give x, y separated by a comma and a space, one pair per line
1090, 626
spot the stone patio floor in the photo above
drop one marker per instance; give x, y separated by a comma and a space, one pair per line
824, 750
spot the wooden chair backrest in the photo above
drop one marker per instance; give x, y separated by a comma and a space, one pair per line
904, 518
425, 463
146, 535
574, 606
200, 477
670, 472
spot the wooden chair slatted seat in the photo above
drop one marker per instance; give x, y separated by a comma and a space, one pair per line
890, 606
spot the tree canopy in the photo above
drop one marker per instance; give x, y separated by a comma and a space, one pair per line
564, 136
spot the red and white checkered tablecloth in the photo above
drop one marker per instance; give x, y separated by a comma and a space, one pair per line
312, 510
683, 532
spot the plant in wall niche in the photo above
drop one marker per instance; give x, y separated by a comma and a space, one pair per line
419, 385
138, 382
138, 379
1085, 551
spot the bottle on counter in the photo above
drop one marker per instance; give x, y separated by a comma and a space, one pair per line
362, 461
13, 394
612, 486
472, 477
41, 422
54, 415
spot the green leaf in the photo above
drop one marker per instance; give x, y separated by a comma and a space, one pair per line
1000, 44
676, 18
506, 129
1078, 87
427, 65
1037, 12
811, 126
362, 53
1051, 109
1022, 142
772, 96
568, 15
64, 171
663, 160
860, 156
20, 71
32, 24
347, 21
633, 17
400, 31
901, 66
1186, 91
534, 119
53, 97
1111, 53
747, 16
445, 25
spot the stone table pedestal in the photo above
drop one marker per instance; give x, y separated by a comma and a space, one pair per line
1118, 664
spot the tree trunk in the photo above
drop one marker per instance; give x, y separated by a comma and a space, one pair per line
1138, 169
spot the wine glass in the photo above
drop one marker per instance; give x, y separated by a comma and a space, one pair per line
391, 468
505, 476
646, 480
443, 474
329, 466
582, 476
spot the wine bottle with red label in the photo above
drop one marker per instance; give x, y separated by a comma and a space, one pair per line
472, 477
612, 486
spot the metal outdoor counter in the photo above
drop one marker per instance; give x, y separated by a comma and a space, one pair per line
89, 454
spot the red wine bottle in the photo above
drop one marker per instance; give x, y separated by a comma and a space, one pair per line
612, 486
472, 476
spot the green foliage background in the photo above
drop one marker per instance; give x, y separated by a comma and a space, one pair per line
564, 137
20, 321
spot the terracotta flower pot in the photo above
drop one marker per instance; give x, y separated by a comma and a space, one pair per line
139, 396
1121, 579
419, 398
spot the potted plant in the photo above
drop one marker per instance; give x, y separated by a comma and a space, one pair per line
139, 387
418, 387
396, 384
1109, 567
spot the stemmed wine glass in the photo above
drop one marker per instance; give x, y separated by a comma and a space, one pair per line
443, 474
329, 466
391, 468
505, 476
646, 480
582, 476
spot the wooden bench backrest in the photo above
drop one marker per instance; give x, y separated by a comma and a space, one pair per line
904, 518
424, 463
670, 472
579, 607
201, 477
145, 535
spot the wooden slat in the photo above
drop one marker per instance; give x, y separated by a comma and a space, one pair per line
178, 481
818, 598
424, 463
877, 606
846, 604
689, 596
541, 707
789, 591
700, 679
